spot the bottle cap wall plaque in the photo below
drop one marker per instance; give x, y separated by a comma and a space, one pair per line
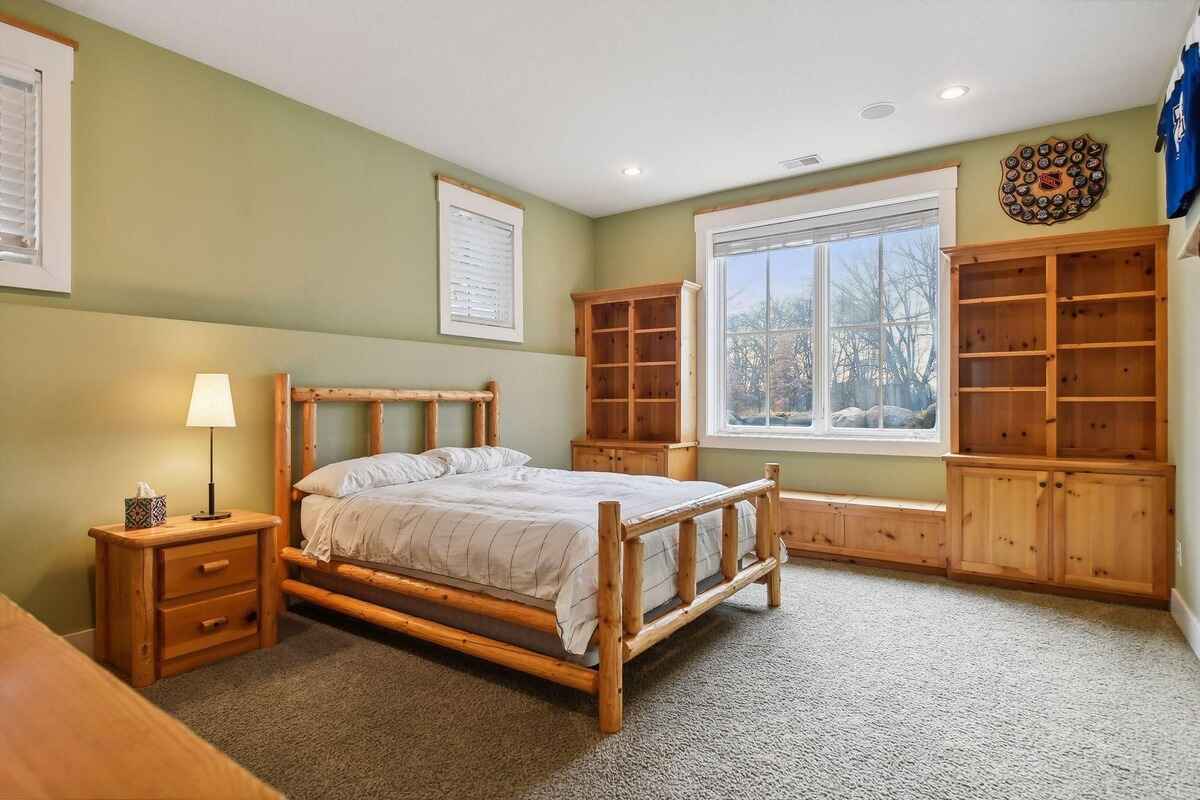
1066, 180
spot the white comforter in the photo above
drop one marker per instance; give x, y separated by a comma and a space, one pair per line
521, 530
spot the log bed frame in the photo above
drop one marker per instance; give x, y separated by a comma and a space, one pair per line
623, 632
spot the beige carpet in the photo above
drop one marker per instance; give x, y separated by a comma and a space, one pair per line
867, 684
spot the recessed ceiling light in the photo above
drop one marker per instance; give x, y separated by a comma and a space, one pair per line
632, 172
953, 92
878, 110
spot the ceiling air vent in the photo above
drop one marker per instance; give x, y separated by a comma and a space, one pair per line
801, 161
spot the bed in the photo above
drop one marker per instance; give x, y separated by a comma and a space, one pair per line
564, 575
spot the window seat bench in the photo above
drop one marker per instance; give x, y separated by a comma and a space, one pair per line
910, 533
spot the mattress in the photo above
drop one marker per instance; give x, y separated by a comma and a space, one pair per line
519, 533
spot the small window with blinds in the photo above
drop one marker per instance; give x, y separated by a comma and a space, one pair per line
20, 170
36, 72
828, 324
479, 264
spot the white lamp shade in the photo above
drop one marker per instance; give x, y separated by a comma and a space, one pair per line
212, 402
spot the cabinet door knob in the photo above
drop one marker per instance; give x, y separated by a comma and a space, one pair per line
1042, 484
214, 623
251, 615
1058, 484
209, 567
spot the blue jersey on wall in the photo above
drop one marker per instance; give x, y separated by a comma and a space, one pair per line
1177, 125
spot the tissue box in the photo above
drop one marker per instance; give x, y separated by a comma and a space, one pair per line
145, 512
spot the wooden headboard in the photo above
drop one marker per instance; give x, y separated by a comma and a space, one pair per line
485, 427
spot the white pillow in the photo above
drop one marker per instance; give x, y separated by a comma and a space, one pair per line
477, 459
386, 469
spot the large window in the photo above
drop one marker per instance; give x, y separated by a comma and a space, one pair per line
480, 264
35, 160
825, 329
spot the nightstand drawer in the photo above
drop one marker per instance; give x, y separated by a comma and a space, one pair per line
201, 567
188, 627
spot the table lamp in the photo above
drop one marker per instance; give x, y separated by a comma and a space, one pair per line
211, 407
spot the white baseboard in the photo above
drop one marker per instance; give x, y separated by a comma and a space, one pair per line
1186, 621
84, 641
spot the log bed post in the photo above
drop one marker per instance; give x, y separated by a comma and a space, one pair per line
632, 611
431, 424
729, 542
608, 599
685, 578
493, 432
479, 424
308, 458
774, 585
283, 480
375, 428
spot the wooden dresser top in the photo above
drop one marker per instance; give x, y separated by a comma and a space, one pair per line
69, 728
183, 529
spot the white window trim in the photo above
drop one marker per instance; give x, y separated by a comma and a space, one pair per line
450, 194
56, 62
942, 183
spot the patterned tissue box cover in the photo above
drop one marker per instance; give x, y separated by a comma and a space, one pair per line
145, 512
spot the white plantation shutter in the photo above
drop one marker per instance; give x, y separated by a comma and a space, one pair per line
480, 264
20, 153
481, 269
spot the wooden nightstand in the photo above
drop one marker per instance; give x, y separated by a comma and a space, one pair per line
184, 593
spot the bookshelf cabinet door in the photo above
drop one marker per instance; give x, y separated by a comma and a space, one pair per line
1109, 532
1000, 524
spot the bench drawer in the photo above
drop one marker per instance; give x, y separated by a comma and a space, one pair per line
191, 568
189, 627
642, 462
591, 459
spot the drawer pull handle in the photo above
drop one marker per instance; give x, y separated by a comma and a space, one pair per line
209, 567
214, 623
251, 616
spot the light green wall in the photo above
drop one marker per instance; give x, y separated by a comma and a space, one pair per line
1183, 288
658, 244
200, 196
93, 403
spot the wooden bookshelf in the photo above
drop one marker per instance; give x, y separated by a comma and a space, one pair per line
1058, 476
1042, 327
640, 346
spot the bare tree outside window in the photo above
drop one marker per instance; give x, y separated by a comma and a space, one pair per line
769, 346
882, 332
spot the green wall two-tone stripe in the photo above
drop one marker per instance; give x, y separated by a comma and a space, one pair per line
198, 195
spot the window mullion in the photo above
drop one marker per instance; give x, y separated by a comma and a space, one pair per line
767, 350
723, 345
821, 402
882, 345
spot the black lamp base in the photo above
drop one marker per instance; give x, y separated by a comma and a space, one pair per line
212, 513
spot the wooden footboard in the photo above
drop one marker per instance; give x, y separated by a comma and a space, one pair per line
623, 631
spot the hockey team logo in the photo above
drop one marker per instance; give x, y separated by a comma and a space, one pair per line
1180, 125
1055, 180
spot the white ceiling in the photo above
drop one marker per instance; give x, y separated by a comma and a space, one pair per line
555, 97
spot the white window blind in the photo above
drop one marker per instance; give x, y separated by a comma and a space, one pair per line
20, 153
481, 268
827, 228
